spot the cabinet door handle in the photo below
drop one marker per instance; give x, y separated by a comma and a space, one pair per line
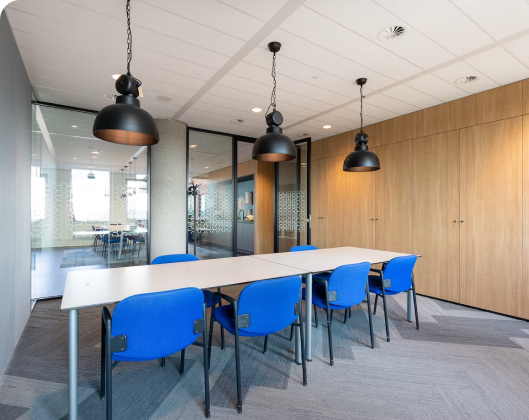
455, 221
462, 221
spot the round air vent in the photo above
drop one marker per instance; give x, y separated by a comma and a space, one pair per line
237, 121
392, 33
303, 135
465, 80
164, 98
110, 96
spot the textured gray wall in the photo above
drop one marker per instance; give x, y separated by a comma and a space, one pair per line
168, 190
15, 194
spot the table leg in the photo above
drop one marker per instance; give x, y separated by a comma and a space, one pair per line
308, 317
410, 305
297, 338
120, 245
73, 334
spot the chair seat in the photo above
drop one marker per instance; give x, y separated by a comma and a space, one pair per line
318, 298
377, 290
224, 316
208, 298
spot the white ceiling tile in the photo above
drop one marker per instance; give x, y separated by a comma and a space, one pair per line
437, 88
412, 96
414, 47
453, 72
391, 104
499, 65
519, 48
353, 115
441, 21
499, 18
263, 10
347, 44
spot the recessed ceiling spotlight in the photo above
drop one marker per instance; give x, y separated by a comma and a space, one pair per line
206, 167
116, 76
109, 96
164, 98
74, 126
74, 158
327, 126
315, 77
192, 146
256, 109
465, 80
237, 121
97, 151
392, 33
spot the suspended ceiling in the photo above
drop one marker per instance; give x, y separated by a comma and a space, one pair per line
210, 57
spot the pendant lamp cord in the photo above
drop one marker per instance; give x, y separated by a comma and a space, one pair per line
361, 108
273, 96
129, 45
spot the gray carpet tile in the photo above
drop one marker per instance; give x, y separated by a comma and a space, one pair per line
462, 364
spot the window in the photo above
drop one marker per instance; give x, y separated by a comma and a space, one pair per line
90, 197
38, 195
137, 199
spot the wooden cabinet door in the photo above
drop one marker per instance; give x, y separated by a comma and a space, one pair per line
491, 215
334, 206
360, 209
393, 229
317, 194
436, 215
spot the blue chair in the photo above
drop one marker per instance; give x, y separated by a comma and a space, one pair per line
208, 296
346, 287
264, 307
395, 277
152, 326
109, 240
303, 248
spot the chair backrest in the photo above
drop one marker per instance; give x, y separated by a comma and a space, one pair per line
174, 258
158, 324
270, 304
399, 271
303, 248
349, 281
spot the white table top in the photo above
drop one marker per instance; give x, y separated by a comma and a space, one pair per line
106, 232
100, 287
316, 261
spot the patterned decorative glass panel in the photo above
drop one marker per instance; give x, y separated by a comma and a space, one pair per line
292, 211
214, 209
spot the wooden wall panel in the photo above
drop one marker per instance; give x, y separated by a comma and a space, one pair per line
525, 230
393, 231
525, 96
264, 208
360, 209
246, 168
436, 215
448, 116
491, 215
334, 210
500, 103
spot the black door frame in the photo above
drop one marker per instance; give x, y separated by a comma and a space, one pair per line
235, 138
307, 140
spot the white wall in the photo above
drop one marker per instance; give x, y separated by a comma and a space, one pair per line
15, 210
168, 217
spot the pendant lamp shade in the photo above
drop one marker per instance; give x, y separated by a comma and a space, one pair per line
362, 159
274, 146
125, 122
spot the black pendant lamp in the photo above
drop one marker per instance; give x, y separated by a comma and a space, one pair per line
125, 122
361, 160
274, 146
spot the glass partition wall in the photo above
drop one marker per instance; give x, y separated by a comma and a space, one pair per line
89, 205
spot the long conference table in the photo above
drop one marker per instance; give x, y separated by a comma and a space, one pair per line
84, 289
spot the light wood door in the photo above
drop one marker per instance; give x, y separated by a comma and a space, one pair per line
436, 215
317, 194
334, 206
360, 209
491, 216
525, 262
393, 229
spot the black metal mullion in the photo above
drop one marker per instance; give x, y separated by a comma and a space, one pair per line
276, 192
234, 158
298, 201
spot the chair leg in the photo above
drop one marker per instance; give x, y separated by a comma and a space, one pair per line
385, 312
415, 301
238, 371
329, 320
221, 327
332, 315
345, 315
108, 367
349, 312
302, 337
211, 332
163, 362
206, 365
316, 315
182, 360
375, 307
265, 344
103, 367
291, 332
370, 319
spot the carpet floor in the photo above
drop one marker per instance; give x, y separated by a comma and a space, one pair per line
462, 364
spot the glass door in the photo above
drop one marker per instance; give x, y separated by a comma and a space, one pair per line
292, 204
